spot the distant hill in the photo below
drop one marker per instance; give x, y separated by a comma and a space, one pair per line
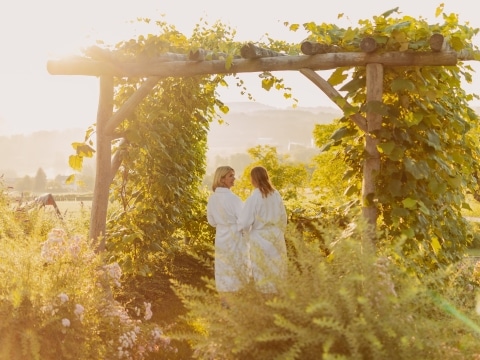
250, 124
25, 154
246, 125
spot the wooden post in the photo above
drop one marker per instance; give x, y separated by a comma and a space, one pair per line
371, 166
103, 166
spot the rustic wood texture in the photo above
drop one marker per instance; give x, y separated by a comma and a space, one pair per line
329, 61
368, 45
103, 164
127, 108
106, 65
335, 96
437, 42
371, 166
252, 51
313, 48
203, 55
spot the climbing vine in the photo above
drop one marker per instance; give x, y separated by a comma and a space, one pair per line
429, 158
428, 155
164, 153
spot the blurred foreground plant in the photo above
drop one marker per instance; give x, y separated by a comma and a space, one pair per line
56, 303
347, 303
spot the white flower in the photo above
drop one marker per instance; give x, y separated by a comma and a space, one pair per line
65, 322
58, 244
63, 298
157, 333
79, 310
148, 311
114, 272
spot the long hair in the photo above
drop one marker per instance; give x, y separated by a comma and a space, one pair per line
261, 180
220, 173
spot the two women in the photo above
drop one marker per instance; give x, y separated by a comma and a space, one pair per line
260, 253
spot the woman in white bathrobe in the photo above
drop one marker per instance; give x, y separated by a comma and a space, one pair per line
231, 249
264, 221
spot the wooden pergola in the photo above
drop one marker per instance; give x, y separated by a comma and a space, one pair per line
253, 59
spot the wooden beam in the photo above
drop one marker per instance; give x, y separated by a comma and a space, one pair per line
279, 63
129, 105
103, 164
437, 42
198, 55
98, 53
368, 45
313, 48
371, 165
203, 55
252, 51
335, 96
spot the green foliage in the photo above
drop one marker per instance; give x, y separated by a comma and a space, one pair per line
9, 227
347, 303
289, 178
429, 158
327, 180
163, 155
52, 306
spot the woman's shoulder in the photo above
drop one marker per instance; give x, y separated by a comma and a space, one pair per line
276, 194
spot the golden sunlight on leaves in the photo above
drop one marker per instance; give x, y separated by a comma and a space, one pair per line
439, 10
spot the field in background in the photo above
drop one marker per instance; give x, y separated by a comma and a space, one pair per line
69, 208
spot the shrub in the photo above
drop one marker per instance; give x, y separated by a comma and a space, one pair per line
56, 302
347, 303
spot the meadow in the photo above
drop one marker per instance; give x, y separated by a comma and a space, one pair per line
61, 300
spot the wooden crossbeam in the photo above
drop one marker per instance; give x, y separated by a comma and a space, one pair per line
313, 48
252, 51
328, 61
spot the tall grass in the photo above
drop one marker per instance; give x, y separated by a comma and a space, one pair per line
347, 303
341, 300
57, 297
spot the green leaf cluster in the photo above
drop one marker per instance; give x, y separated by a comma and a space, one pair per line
157, 191
347, 303
288, 178
428, 150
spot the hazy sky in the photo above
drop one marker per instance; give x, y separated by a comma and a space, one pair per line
33, 31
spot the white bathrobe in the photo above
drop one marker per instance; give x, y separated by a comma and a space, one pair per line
264, 220
231, 249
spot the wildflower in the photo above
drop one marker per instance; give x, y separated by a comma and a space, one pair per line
74, 247
148, 311
127, 340
114, 272
157, 333
79, 309
65, 322
52, 248
63, 298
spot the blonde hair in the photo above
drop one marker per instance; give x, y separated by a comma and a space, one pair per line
261, 180
220, 173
